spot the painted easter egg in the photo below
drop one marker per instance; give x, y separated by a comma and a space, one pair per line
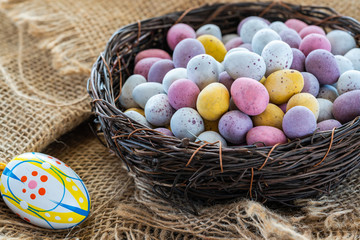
44, 191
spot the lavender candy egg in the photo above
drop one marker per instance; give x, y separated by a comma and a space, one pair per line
159, 69
323, 65
212, 137
144, 91
44, 191
249, 29
278, 26
242, 22
348, 81
262, 38
245, 64
234, 125
277, 56
299, 122
325, 109
172, 76
179, 32
327, 125
347, 106
203, 70
291, 37
158, 110
328, 92
187, 123
233, 43
144, 65
210, 29
164, 131
126, 98
311, 84
298, 60
186, 50
354, 56
225, 79
344, 64
341, 42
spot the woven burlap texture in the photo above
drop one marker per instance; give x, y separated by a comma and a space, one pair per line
47, 50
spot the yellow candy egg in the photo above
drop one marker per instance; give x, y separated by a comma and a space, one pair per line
283, 84
211, 125
272, 116
262, 81
213, 101
213, 46
306, 100
139, 110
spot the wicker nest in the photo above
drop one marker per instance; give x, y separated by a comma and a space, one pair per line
302, 168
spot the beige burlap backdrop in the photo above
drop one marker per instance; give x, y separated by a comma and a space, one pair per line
47, 49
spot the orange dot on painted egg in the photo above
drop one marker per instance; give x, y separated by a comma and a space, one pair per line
43, 178
24, 190
32, 196
26, 219
42, 191
23, 178
58, 162
34, 173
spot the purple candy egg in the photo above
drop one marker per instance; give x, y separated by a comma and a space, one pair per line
225, 79
185, 50
328, 125
159, 69
298, 122
323, 65
311, 84
164, 131
298, 60
234, 125
291, 37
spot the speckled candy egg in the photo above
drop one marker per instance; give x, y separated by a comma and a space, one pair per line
245, 64
203, 70
311, 84
172, 76
295, 24
179, 32
250, 27
323, 65
325, 109
126, 98
158, 110
234, 125
299, 122
213, 47
242, 22
262, 38
187, 123
327, 125
250, 96
306, 100
272, 116
213, 101
278, 26
328, 92
341, 42
283, 84
212, 137
354, 56
277, 56
209, 29
348, 81
298, 60
44, 191
164, 131
265, 136
344, 64
144, 91
186, 50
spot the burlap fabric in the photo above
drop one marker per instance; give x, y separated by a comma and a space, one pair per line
46, 52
